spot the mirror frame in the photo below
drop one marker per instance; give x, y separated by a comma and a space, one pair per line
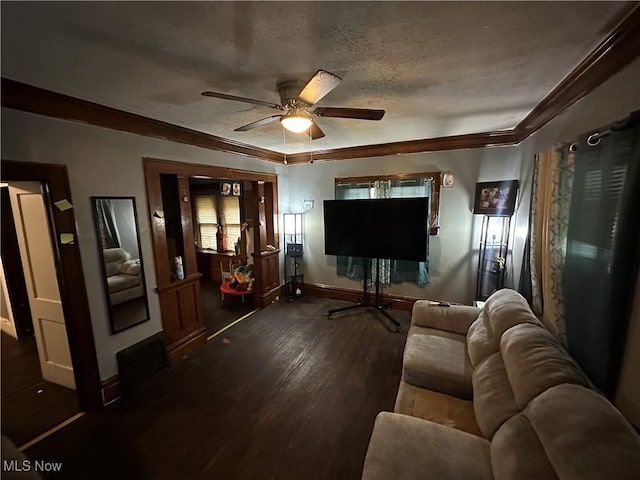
147, 316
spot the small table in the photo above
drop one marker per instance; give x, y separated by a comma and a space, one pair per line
225, 289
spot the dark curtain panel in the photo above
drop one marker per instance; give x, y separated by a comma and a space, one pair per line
524, 285
107, 224
603, 250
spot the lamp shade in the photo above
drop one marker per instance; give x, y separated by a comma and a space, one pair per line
292, 223
296, 123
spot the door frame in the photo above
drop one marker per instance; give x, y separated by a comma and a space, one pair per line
172, 307
73, 292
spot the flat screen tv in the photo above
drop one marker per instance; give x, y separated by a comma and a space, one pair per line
389, 228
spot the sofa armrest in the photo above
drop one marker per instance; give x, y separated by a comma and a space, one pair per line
454, 318
406, 447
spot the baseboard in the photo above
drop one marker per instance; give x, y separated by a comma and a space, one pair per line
327, 291
272, 296
111, 389
183, 347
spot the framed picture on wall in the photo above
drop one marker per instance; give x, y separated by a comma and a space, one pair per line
496, 198
225, 188
236, 189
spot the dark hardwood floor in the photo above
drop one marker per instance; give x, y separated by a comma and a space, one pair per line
219, 313
292, 395
30, 405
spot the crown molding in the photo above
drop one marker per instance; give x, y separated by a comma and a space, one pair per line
28, 98
614, 53
455, 142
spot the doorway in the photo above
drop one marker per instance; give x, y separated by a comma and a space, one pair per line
223, 236
179, 268
66, 273
38, 385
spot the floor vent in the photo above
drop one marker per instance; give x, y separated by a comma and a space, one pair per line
141, 361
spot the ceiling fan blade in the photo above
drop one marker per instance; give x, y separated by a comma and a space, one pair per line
316, 131
257, 123
359, 113
320, 84
241, 99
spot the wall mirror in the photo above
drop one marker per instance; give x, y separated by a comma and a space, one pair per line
121, 260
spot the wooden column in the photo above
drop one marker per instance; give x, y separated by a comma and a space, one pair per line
266, 263
179, 299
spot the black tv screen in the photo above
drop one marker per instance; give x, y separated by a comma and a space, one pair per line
389, 228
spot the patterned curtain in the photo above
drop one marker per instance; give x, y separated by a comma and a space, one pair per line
549, 220
391, 271
584, 244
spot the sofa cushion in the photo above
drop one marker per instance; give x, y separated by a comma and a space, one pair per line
437, 360
403, 447
113, 259
131, 267
516, 452
535, 360
502, 310
437, 407
120, 282
584, 435
493, 400
454, 318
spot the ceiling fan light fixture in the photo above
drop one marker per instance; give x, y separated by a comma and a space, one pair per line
296, 122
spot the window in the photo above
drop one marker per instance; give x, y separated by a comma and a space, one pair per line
391, 186
211, 211
230, 217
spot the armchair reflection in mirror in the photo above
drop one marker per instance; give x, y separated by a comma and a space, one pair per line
121, 260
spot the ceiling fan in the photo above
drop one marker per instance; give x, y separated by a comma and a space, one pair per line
296, 99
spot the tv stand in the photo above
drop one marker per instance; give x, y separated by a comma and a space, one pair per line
377, 304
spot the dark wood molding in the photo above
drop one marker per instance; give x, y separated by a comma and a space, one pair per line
111, 389
455, 142
614, 53
28, 98
159, 165
71, 280
336, 293
183, 348
180, 303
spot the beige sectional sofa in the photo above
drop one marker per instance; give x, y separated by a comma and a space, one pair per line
490, 393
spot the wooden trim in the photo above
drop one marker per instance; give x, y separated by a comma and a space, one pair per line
614, 53
336, 293
455, 142
153, 168
73, 293
158, 165
185, 346
392, 176
111, 389
269, 297
194, 277
28, 98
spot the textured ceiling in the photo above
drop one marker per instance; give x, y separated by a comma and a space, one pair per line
437, 68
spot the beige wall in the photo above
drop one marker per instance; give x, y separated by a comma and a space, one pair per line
453, 250
106, 162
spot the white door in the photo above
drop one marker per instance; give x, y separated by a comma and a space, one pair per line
36, 251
